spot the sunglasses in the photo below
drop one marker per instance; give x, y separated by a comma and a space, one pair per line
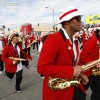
78, 18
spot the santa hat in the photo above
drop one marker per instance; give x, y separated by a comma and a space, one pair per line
2, 35
68, 13
12, 35
27, 36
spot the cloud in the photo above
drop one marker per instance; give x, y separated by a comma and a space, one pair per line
34, 12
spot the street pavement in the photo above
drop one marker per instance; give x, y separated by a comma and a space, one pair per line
31, 84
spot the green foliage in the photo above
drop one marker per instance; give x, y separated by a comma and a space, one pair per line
3, 26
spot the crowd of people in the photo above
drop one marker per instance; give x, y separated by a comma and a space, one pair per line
61, 56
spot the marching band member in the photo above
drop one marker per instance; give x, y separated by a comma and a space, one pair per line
89, 53
14, 49
43, 38
36, 38
24, 47
1, 49
90, 30
28, 42
84, 36
58, 58
31, 38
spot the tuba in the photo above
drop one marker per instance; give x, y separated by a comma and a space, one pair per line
59, 83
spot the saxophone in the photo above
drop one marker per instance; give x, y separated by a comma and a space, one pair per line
59, 83
95, 71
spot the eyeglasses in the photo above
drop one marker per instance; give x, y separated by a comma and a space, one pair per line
78, 18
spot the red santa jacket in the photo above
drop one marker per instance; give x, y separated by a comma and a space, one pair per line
55, 60
9, 52
90, 52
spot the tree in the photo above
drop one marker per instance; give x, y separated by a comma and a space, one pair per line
8, 29
3, 27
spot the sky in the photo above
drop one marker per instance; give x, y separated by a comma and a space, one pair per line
14, 13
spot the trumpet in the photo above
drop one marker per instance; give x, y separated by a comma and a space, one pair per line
18, 59
59, 83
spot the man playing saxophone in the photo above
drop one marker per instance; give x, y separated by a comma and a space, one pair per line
58, 58
89, 53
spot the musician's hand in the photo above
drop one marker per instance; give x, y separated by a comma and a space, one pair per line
77, 71
84, 78
14, 62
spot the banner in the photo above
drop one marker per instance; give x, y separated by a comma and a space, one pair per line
26, 28
93, 19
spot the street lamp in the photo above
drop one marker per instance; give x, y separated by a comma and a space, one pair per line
53, 16
16, 26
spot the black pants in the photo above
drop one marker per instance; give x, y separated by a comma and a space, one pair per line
39, 42
28, 50
18, 78
36, 43
24, 62
94, 84
78, 94
1, 64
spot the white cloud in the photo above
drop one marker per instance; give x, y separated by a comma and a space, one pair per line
33, 11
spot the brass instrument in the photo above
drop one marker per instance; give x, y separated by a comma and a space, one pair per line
28, 46
59, 83
95, 71
31, 43
18, 59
